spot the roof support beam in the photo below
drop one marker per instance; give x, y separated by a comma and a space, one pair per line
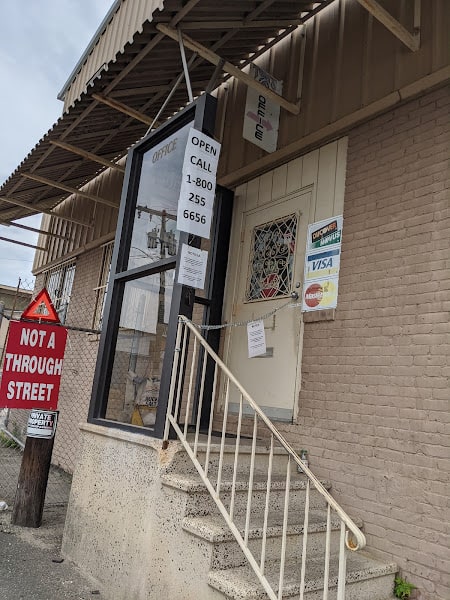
261, 8
33, 229
88, 155
123, 108
40, 210
71, 190
412, 41
3, 239
222, 25
215, 59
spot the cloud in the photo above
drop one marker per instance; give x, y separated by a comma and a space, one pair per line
40, 43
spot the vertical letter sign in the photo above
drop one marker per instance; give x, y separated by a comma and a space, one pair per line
262, 115
33, 359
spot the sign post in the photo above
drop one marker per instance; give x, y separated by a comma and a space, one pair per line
30, 379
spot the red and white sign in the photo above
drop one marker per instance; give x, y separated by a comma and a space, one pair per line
41, 309
32, 366
313, 295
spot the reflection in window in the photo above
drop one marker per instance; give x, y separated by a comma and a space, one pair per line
272, 259
139, 353
155, 236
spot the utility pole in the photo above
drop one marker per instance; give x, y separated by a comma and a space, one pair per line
32, 484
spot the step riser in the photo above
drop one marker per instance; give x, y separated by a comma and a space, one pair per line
201, 503
183, 463
227, 555
375, 588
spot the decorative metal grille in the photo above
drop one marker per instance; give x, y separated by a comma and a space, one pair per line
272, 259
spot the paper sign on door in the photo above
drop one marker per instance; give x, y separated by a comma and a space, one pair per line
256, 338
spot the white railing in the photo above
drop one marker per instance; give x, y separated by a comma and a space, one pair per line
193, 356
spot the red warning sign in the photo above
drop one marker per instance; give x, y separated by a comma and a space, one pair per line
32, 366
41, 309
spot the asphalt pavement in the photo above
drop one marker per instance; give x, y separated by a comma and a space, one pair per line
31, 565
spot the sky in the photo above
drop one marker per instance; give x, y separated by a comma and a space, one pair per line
40, 43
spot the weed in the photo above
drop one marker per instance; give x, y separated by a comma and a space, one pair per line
7, 442
402, 588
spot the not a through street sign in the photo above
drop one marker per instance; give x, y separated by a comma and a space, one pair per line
32, 366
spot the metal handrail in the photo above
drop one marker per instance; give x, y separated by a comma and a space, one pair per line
351, 535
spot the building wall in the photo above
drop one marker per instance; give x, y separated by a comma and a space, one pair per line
13, 302
374, 404
373, 407
79, 363
100, 219
125, 529
351, 61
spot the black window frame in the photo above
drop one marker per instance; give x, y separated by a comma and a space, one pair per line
202, 114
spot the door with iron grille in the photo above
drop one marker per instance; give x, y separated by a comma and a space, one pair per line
271, 266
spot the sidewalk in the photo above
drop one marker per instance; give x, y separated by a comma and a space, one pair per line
31, 567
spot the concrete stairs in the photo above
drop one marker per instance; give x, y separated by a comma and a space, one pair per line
228, 572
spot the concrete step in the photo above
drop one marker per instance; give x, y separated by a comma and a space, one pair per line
213, 544
200, 502
227, 553
367, 579
182, 463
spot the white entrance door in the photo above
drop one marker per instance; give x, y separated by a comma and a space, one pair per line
270, 266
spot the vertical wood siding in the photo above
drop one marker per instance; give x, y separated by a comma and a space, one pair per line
351, 60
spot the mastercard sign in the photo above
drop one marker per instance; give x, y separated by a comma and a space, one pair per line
321, 295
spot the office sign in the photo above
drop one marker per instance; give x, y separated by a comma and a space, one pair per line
262, 115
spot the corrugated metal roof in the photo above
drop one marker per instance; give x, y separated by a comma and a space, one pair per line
140, 75
123, 20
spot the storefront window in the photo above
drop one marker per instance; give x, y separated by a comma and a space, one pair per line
139, 352
155, 236
140, 312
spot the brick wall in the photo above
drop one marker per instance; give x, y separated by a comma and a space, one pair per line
374, 409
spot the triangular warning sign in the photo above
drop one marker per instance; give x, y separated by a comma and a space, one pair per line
41, 309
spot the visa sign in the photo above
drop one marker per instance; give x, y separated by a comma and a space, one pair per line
323, 264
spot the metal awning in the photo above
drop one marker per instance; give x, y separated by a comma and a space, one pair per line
121, 102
